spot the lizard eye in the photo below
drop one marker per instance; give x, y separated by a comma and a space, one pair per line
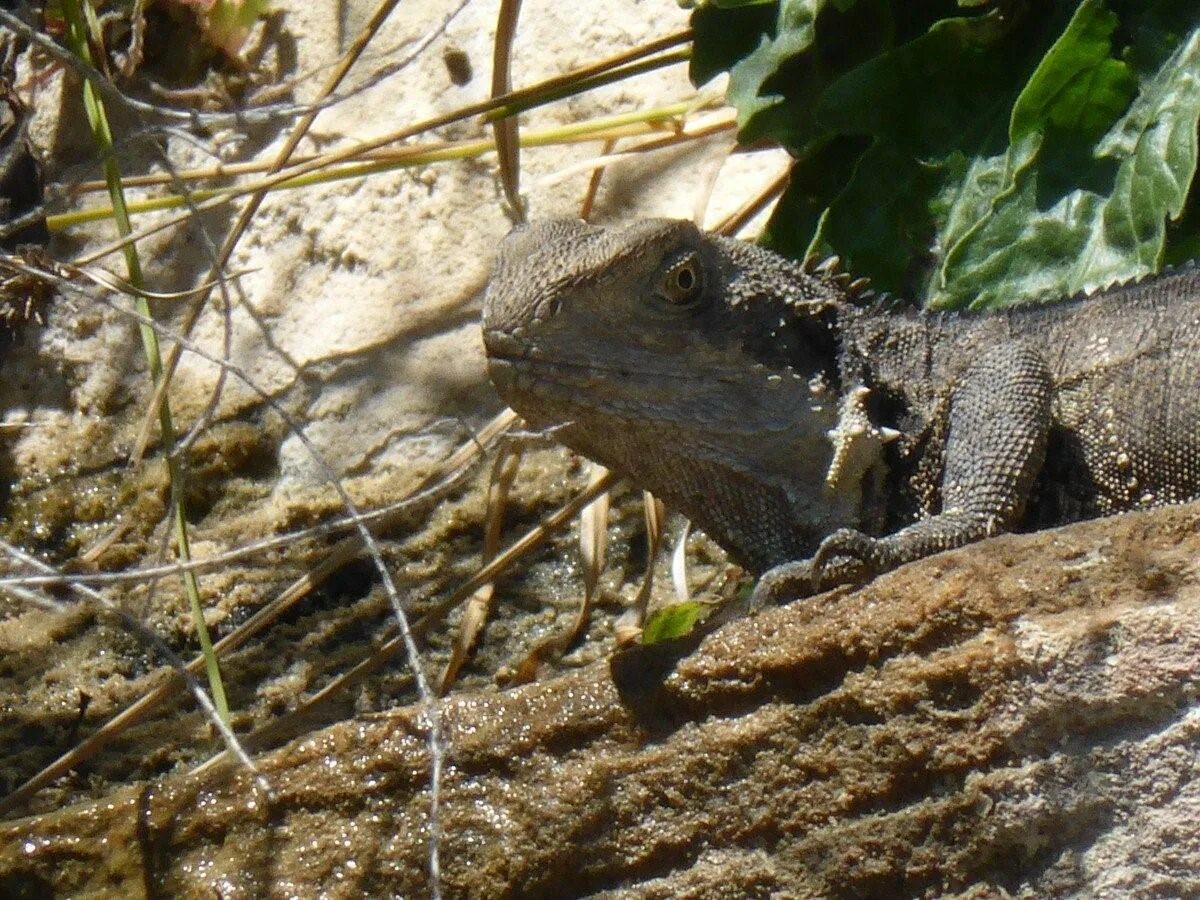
681, 282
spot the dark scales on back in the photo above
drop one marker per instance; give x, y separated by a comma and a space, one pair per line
821, 435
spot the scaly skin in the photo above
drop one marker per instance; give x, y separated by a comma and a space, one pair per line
822, 436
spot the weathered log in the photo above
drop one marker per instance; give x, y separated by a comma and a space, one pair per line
1018, 715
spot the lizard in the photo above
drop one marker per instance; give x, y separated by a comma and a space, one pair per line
824, 434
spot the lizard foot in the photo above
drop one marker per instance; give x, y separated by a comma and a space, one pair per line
788, 581
871, 554
845, 557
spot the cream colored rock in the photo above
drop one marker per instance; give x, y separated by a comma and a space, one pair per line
365, 290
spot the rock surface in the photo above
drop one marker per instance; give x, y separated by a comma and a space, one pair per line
1017, 717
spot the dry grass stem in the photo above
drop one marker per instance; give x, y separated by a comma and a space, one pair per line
679, 579
479, 606
738, 219
593, 548
593, 185
505, 130
629, 626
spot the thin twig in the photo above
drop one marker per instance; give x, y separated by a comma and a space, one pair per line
734, 222
505, 128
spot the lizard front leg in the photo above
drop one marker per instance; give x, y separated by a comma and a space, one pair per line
999, 420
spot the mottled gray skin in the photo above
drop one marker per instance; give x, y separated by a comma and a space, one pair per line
823, 437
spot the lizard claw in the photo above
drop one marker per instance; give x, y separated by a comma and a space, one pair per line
870, 554
845, 557
788, 581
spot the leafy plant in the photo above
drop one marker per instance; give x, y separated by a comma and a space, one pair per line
977, 154
674, 621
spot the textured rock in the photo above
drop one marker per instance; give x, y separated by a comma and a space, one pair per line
1018, 716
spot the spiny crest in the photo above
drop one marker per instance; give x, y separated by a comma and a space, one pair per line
858, 287
1184, 268
813, 264
831, 268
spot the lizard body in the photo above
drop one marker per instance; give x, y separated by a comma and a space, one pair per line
822, 435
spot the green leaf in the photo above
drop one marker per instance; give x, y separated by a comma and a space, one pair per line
1065, 209
725, 36
227, 23
777, 85
1078, 87
749, 89
674, 621
1006, 154
878, 223
937, 91
930, 105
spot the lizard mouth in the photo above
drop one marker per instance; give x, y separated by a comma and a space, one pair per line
558, 393
551, 392
553, 386
513, 355
517, 376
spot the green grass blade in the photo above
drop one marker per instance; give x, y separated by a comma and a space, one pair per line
77, 13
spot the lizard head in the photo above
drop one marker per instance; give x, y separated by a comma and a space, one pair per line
686, 361
657, 315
